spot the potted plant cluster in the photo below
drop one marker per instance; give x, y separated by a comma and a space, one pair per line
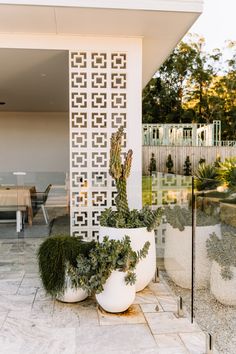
222, 251
108, 271
137, 224
178, 244
56, 255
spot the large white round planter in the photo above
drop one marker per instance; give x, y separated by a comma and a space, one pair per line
72, 294
116, 296
146, 267
178, 255
223, 290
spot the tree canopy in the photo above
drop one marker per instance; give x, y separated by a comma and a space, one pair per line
192, 87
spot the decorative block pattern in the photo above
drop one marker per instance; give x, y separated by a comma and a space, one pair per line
98, 107
78, 120
170, 189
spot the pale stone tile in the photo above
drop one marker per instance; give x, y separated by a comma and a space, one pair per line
16, 302
3, 316
27, 290
8, 287
166, 322
29, 338
27, 319
12, 276
31, 282
88, 317
41, 295
195, 342
131, 316
168, 341
156, 350
145, 296
104, 351
153, 350
43, 309
168, 302
176, 350
156, 307
113, 338
86, 310
66, 315
4, 248
159, 289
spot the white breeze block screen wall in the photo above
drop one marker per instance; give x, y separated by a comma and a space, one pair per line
105, 93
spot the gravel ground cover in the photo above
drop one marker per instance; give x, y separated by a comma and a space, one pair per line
211, 316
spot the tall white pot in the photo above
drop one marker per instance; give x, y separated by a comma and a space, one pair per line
223, 290
116, 296
145, 269
178, 255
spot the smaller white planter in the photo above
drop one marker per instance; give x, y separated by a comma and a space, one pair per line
72, 294
116, 296
146, 267
223, 290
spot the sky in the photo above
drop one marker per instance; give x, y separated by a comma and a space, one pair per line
217, 23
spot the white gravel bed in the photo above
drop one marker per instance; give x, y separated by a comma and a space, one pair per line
211, 316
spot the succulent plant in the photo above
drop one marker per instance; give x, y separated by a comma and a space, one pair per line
120, 172
135, 218
94, 269
179, 217
123, 217
206, 177
223, 250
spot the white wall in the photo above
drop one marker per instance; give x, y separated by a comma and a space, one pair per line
34, 141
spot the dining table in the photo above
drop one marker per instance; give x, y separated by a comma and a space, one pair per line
17, 198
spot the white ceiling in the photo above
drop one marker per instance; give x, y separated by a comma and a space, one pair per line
160, 23
34, 80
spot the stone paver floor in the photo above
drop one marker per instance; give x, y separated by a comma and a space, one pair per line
31, 322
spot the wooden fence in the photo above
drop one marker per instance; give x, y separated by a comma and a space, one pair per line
179, 153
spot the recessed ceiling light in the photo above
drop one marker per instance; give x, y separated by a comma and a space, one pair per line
43, 75
2, 103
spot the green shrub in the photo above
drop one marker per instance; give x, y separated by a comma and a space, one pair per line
169, 164
187, 167
153, 165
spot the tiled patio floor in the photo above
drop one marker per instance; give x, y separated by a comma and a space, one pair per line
31, 322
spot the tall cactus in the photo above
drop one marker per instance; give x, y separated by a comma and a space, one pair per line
120, 172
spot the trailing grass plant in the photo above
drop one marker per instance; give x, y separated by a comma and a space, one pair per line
55, 255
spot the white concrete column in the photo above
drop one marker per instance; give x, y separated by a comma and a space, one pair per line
105, 93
